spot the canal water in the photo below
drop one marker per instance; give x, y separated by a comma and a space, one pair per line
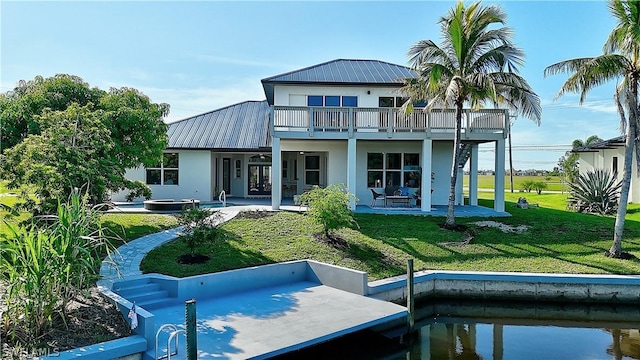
454, 330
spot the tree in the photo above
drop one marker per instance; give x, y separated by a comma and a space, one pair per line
475, 64
59, 134
19, 107
73, 149
620, 61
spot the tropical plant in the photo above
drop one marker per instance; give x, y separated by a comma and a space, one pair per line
45, 264
329, 207
200, 227
475, 64
528, 185
620, 62
596, 192
538, 186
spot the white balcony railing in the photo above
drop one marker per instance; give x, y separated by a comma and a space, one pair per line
341, 119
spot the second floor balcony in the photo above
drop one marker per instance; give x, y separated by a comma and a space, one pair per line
348, 122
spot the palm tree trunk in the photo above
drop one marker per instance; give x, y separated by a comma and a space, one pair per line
616, 248
450, 222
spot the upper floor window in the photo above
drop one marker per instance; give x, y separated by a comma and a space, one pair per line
390, 101
164, 173
332, 100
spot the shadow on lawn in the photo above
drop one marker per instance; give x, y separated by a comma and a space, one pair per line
579, 239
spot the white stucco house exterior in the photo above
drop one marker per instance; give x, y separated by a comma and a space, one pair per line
333, 123
609, 155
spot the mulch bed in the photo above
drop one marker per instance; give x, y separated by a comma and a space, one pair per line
92, 319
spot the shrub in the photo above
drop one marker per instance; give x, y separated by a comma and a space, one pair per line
45, 265
200, 227
528, 185
330, 207
538, 186
595, 191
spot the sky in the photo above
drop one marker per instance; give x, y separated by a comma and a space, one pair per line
199, 56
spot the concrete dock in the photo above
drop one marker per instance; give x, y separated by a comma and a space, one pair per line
263, 323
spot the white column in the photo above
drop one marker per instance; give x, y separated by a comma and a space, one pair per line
426, 160
351, 170
276, 174
473, 176
459, 188
498, 204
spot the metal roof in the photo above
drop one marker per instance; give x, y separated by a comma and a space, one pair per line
604, 144
342, 72
243, 126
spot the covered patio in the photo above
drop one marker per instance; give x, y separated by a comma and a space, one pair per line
436, 210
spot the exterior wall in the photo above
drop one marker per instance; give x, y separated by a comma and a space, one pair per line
193, 182
282, 93
333, 159
603, 159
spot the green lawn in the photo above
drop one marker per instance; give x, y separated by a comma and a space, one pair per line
554, 183
124, 227
556, 241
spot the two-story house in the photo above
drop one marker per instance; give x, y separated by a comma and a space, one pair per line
336, 122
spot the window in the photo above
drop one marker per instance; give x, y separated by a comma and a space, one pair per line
312, 170
390, 101
165, 173
350, 101
295, 169
332, 100
393, 169
285, 170
315, 100
238, 168
614, 166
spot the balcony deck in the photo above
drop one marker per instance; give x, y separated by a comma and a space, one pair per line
379, 123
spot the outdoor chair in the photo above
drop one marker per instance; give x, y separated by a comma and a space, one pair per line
376, 196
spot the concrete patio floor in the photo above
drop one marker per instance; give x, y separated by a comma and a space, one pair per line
264, 204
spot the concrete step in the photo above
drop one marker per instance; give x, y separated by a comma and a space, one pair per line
141, 297
134, 290
156, 303
122, 284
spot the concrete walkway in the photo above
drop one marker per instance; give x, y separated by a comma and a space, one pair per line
125, 262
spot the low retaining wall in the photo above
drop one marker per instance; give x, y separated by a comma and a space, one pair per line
511, 286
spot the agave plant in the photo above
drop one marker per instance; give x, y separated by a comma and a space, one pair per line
596, 192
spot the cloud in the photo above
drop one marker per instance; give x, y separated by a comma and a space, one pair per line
186, 102
603, 106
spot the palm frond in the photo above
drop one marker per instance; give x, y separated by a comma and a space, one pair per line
589, 73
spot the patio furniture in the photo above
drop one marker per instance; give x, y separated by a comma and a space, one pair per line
376, 196
398, 199
397, 195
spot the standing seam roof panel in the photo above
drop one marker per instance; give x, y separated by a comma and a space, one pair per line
241, 126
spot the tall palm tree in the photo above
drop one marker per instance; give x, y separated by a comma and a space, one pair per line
620, 62
475, 64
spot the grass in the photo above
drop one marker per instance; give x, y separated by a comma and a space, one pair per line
554, 183
124, 227
557, 241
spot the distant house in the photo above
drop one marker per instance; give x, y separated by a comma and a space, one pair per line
335, 122
609, 155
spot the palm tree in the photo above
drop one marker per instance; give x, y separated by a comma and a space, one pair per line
475, 64
620, 61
